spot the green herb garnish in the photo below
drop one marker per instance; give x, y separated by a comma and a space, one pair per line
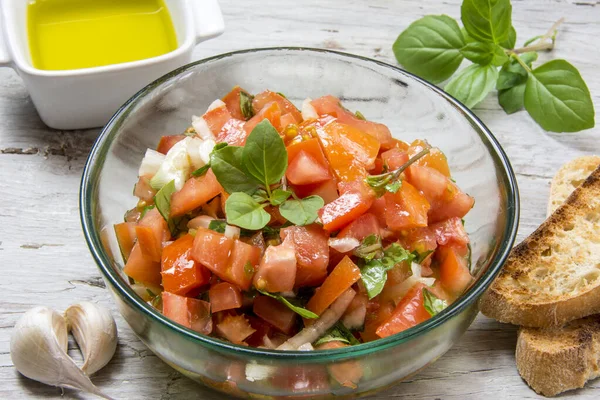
432, 303
246, 105
374, 272
302, 211
359, 115
338, 333
201, 171
217, 225
370, 248
390, 181
162, 200
303, 312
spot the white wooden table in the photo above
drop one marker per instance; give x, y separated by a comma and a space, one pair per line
44, 259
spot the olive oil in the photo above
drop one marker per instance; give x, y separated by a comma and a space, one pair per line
73, 34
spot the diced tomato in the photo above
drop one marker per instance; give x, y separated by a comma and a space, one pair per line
395, 286
270, 111
377, 168
243, 260
420, 240
181, 274
151, 232
353, 203
195, 193
346, 373
224, 296
274, 313
361, 227
434, 159
332, 106
266, 97
141, 268
454, 273
125, 232
326, 190
261, 329
312, 253
217, 118
277, 269
233, 133
301, 379
399, 144
212, 249
343, 276
451, 232
235, 328
232, 101
191, 313
377, 313
409, 312
394, 158
305, 170
142, 189
406, 209
445, 198
276, 217
287, 120
378, 210
166, 142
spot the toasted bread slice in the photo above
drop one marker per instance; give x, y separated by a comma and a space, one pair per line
569, 177
554, 360
553, 276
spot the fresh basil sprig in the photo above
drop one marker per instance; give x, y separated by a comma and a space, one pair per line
303, 312
374, 272
390, 181
162, 200
554, 93
301, 211
217, 225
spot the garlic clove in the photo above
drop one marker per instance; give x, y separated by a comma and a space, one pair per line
38, 349
95, 331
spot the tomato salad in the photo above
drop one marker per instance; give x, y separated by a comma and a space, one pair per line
284, 228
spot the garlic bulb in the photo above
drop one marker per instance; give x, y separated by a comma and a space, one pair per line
95, 331
38, 348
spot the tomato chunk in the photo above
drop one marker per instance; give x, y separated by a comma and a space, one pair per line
287, 120
346, 208
347, 373
312, 253
305, 170
242, 263
406, 209
224, 296
232, 102
409, 312
434, 159
343, 276
274, 313
151, 232
270, 111
326, 190
394, 158
235, 328
143, 190
266, 97
233, 133
451, 232
195, 193
125, 232
212, 249
166, 142
141, 268
181, 274
191, 313
377, 313
277, 269
454, 273
217, 118
361, 227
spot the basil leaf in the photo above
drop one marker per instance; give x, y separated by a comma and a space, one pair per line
227, 166
303, 312
279, 196
302, 211
420, 257
487, 20
485, 53
338, 333
472, 84
146, 209
394, 186
162, 200
511, 40
264, 156
430, 47
359, 115
513, 73
243, 211
370, 248
217, 225
374, 272
260, 195
512, 99
558, 99
432, 303
201, 171
246, 105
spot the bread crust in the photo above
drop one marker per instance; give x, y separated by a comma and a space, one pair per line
522, 294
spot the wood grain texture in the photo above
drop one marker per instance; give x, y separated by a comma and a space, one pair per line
44, 258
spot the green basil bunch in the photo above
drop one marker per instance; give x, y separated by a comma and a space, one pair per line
554, 93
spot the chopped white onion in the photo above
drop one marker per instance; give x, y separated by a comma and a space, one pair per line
193, 150
151, 162
255, 372
205, 149
201, 128
409, 282
215, 104
201, 221
308, 111
176, 166
232, 232
306, 347
343, 245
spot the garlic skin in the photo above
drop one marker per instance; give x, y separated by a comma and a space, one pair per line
38, 349
95, 332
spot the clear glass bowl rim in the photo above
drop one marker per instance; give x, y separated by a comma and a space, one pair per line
108, 133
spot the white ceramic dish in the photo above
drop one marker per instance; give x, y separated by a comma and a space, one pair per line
87, 98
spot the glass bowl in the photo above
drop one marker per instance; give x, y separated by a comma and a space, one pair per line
410, 107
